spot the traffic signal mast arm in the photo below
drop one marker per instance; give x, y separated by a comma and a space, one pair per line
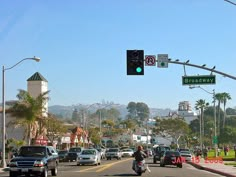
202, 67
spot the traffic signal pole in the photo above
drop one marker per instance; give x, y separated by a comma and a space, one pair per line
202, 67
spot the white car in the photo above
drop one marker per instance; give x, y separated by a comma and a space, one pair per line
89, 156
127, 152
186, 155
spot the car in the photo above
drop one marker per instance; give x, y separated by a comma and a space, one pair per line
89, 156
186, 155
102, 151
113, 153
34, 160
158, 150
127, 152
62, 155
171, 158
184, 149
73, 153
148, 152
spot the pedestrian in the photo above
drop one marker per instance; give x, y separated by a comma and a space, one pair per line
205, 151
218, 151
225, 150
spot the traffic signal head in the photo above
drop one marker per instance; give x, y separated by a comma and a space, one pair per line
135, 62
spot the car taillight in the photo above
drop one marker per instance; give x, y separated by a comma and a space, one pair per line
140, 163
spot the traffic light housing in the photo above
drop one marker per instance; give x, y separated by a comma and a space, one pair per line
135, 62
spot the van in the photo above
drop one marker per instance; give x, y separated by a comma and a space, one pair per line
159, 151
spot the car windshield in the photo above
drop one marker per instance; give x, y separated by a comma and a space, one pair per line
32, 151
185, 152
88, 152
127, 150
62, 152
113, 150
172, 153
75, 150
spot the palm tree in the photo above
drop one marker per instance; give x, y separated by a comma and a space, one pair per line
225, 97
201, 105
219, 98
29, 111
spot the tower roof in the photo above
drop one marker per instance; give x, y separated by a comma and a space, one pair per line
37, 77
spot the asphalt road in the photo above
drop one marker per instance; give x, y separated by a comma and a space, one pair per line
123, 168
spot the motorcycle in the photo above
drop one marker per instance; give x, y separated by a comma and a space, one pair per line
139, 167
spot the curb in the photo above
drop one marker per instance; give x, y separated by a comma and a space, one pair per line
210, 170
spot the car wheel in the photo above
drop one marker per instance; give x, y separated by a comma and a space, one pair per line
54, 171
78, 164
154, 161
45, 173
12, 174
180, 165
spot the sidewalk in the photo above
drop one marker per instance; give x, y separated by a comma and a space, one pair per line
215, 167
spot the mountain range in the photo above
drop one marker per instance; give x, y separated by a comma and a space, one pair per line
66, 111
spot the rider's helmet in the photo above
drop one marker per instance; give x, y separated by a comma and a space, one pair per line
140, 148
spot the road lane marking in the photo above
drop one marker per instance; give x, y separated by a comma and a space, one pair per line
102, 167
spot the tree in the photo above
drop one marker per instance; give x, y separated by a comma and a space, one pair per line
139, 109
94, 136
219, 98
28, 111
201, 105
225, 98
173, 127
132, 110
55, 128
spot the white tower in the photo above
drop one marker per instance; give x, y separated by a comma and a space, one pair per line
37, 85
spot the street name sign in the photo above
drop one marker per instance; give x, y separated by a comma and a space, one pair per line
199, 80
162, 60
150, 60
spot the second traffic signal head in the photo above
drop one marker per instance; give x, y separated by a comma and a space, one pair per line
135, 62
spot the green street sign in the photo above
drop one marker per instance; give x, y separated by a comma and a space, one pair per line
199, 80
215, 140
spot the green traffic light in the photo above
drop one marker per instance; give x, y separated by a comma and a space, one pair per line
138, 69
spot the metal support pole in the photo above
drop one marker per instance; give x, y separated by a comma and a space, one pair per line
100, 126
3, 119
215, 134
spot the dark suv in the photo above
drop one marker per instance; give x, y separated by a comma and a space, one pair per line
36, 160
73, 153
159, 151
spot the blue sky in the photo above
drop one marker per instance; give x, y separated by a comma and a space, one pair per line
82, 46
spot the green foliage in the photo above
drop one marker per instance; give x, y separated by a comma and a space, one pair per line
138, 110
55, 128
94, 135
28, 110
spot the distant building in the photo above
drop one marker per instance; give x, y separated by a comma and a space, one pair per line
185, 111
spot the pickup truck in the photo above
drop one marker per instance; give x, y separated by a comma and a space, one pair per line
35, 160
73, 154
113, 153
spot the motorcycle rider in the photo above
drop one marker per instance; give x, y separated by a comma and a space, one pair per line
139, 155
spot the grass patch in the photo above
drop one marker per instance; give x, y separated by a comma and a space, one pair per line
231, 163
230, 156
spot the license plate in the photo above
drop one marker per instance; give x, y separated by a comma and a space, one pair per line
24, 170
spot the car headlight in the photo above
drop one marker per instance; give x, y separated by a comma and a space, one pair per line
38, 163
13, 164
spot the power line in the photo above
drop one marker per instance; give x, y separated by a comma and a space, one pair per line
230, 2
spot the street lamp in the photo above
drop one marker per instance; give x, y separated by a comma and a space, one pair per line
3, 106
214, 101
